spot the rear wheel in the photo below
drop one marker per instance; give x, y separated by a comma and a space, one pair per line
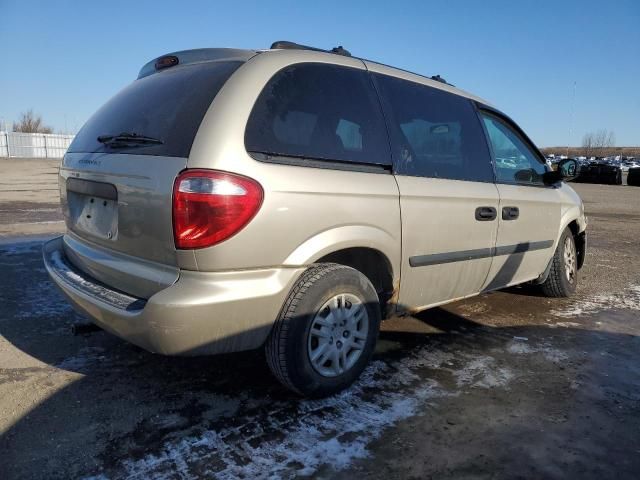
326, 332
563, 276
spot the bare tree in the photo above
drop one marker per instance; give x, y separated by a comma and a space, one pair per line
604, 139
587, 144
30, 123
595, 142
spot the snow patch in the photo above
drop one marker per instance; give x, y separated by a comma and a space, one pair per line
627, 300
566, 324
334, 431
482, 372
552, 354
519, 348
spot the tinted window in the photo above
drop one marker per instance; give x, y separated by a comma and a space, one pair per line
434, 133
515, 161
168, 105
350, 135
319, 111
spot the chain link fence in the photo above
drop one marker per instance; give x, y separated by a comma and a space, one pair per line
33, 145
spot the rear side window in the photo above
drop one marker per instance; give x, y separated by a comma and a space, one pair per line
434, 133
319, 111
168, 106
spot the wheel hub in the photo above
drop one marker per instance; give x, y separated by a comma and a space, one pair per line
570, 260
338, 335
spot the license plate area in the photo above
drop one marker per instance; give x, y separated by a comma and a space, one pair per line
93, 208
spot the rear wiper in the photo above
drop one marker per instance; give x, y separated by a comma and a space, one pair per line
128, 139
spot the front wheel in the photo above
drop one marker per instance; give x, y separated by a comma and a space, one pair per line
563, 276
326, 331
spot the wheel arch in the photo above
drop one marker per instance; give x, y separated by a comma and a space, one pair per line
580, 239
347, 245
370, 250
372, 263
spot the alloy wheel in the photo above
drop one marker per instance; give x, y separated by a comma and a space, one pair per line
570, 262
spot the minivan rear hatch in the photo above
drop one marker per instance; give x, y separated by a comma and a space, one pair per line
117, 177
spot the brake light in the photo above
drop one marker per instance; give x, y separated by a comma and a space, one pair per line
166, 62
211, 206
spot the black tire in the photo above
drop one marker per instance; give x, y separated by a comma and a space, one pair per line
287, 349
559, 283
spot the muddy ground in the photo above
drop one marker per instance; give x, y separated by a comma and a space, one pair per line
505, 385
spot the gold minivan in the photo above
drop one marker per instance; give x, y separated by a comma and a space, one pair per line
291, 198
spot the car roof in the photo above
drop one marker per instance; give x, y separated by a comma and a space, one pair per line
415, 77
199, 55
297, 55
376, 67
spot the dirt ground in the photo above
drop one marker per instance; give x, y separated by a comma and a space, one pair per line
29, 198
505, 385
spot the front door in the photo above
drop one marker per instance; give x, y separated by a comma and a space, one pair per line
529, 212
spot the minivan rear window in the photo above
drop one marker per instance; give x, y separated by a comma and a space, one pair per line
168, 106
320, 112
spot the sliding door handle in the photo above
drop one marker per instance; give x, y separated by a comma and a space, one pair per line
485, 214
510, 213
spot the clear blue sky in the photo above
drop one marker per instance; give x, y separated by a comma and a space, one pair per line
65, 58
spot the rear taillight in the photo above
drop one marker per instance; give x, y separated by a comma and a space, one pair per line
211, 206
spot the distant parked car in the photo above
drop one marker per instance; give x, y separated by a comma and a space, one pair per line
634, 177
625, 166
600, 172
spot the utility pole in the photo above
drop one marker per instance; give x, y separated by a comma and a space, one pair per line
573, 101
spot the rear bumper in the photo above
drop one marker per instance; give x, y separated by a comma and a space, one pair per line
200, 314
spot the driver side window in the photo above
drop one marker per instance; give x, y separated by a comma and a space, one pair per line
514, 160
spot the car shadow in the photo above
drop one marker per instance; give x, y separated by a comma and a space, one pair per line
525, 290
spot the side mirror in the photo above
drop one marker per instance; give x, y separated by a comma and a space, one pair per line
568, 169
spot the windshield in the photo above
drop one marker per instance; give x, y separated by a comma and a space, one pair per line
166, 107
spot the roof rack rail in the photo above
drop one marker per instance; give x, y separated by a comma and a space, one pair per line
286, 45
283, 44
440, 79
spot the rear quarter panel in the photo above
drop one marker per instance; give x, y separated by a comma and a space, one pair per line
307, 212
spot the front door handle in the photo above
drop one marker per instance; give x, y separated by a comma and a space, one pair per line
485, 214
510, 213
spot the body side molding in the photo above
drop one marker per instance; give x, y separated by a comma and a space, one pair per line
450, 257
